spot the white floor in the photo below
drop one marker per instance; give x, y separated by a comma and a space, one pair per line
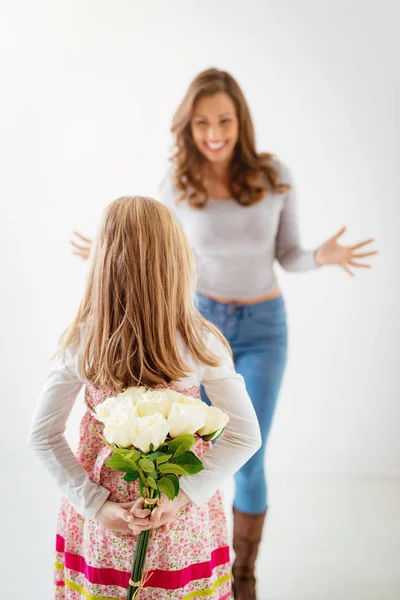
331, 538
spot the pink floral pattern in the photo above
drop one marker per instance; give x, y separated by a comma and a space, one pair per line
95, 563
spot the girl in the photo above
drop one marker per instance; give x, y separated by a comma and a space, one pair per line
137, 325
238, 210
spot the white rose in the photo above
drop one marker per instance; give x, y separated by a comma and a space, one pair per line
134, 393
149, 430
122, 403
194, 401
105, 409
126, 406
215, 420
185, 418
157, 401
118, 430
115, 406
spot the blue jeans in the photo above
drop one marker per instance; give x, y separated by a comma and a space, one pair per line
258, 337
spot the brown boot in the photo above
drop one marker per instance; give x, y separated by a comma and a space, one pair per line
247, 533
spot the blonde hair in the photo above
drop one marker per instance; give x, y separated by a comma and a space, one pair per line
252, 174
139, 295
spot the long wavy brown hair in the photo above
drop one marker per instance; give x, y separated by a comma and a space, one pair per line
252, 174
139, 296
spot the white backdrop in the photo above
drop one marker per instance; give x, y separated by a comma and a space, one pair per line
88, 92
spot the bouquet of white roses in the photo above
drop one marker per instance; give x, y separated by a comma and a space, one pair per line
150, 433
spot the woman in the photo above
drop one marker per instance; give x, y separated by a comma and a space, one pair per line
237, 207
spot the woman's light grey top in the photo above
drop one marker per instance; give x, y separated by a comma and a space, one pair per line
236, 245
224, 387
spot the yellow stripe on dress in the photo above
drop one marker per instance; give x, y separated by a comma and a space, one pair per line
210, 591
78, 588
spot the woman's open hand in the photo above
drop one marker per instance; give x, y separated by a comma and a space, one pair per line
81, 246
332, 253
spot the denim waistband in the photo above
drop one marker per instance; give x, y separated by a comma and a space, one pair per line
216, 308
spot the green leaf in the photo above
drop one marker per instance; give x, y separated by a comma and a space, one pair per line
171, 468
123, 451
151, 447
142, 488
151, 483
211, 436
119, 463
166, 486
162, 459
189, 462
132, 476
146, 464
153, 474
180, 444
175, 482
156, 455
188, 455
131, 454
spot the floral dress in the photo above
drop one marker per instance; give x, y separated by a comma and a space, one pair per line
190, 561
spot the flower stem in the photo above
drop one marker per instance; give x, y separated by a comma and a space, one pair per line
140, 555
139, 561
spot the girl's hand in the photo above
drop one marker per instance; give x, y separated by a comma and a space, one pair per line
166, 511
82, 248
332, 253
162, 515
120, 516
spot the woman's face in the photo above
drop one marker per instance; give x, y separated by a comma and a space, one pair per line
215, 127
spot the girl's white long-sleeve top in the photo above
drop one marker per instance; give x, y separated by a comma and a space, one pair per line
225, 388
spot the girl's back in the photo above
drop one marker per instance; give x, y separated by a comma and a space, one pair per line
137, 325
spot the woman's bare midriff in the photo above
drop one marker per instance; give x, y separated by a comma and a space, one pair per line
270, 296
